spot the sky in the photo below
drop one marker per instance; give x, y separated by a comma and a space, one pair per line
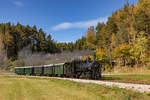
65, 20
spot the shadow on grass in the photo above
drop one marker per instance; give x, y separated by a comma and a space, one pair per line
109, 78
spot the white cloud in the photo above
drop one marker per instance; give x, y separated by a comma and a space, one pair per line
18, 3
80, 24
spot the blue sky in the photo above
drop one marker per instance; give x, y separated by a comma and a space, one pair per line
65, 20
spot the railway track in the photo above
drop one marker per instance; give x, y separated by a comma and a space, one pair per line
130, 86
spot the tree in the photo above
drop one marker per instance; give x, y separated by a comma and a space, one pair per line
81, 44
122, 53
142, 16
90, 38
100, 35
42, 39
139, 47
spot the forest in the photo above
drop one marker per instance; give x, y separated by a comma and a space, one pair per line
124, 40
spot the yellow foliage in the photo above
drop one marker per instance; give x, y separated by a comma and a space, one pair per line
87, 57
101, 55
122, 51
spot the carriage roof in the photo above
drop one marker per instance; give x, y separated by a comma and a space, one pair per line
41, 65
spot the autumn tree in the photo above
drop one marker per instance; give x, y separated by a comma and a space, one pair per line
100, 35
90, 38
140, 47
122, 53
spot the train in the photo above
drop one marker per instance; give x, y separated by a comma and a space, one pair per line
75, 69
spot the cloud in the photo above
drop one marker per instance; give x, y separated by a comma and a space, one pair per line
80, 24
18, 3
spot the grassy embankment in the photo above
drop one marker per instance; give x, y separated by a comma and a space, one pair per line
130, 75
4, 72
31, 88
128, 78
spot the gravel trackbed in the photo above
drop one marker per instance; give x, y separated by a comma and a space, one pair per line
135, 87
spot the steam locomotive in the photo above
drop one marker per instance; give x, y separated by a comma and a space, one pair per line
89, 69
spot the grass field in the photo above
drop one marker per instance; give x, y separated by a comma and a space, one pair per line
129, 78
31, 88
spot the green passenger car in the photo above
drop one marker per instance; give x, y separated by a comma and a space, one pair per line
48, 70
19, 70
38, 70
28, 70
59, 69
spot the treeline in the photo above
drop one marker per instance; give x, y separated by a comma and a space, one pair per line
125, 38
15, 37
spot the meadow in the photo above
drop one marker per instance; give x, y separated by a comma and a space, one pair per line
36, 88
